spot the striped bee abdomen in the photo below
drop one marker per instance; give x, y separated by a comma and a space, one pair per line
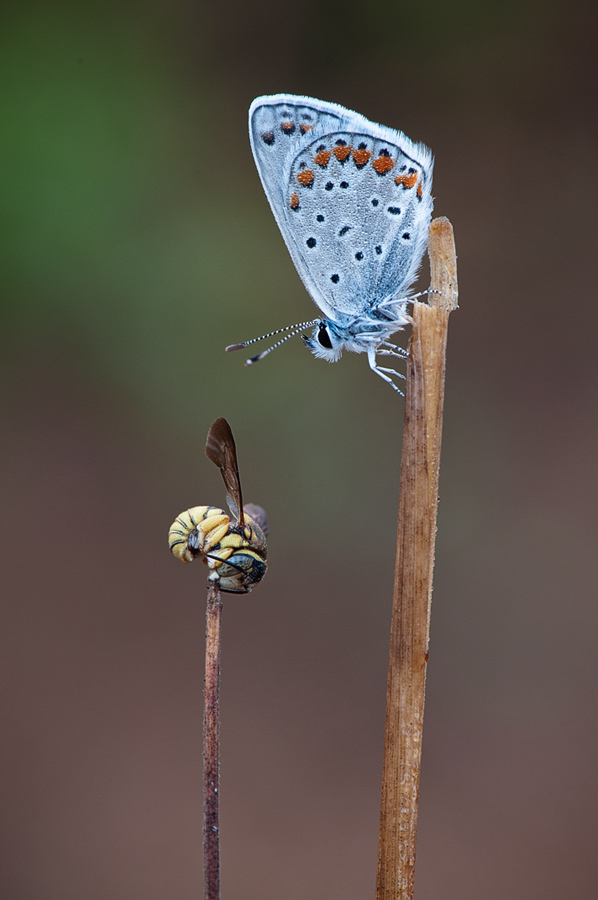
235, 553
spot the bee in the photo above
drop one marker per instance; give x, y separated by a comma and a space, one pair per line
233, 547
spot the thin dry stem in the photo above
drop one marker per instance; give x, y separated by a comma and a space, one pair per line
211, 744
416, 532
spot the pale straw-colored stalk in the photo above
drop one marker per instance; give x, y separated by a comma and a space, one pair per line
416, 534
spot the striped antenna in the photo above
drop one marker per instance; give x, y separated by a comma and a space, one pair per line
292, 329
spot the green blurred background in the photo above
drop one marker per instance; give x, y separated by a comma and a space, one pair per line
136, 243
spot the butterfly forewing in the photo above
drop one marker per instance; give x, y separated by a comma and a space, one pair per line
279, 127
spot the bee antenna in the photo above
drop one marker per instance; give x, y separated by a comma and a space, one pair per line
231, 564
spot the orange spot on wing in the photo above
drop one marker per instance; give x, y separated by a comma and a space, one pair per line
384, 163
287, 127
322, 158
305, 178
294, 201
420, 189
407, 181
305, 128
361, 157
341, 152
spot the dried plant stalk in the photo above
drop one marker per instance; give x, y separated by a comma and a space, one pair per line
211, 744
410, 624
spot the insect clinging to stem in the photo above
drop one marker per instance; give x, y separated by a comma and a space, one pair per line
353, 203
233, 547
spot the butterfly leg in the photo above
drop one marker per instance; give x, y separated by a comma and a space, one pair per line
392, 350
380, 370
403, 301
390, 353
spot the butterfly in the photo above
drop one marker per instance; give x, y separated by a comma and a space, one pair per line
353, 202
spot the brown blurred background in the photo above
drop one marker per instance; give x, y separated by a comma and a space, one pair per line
136, 244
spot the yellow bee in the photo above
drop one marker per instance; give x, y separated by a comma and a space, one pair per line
233, 548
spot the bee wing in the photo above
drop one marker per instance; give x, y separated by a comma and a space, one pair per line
220, 449
258, 514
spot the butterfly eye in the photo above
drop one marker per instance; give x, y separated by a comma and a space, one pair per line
324, 337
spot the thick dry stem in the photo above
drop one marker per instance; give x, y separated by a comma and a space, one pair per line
410, 624
211, 745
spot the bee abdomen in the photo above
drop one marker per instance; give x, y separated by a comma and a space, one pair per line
235, 554
197, 530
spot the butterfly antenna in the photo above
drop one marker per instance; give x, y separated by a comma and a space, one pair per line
292, 329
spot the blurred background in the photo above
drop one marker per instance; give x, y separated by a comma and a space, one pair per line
136, 243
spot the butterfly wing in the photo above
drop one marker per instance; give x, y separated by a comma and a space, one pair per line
280, 126
351, 198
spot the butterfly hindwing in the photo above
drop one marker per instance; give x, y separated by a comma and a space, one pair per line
353, 212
